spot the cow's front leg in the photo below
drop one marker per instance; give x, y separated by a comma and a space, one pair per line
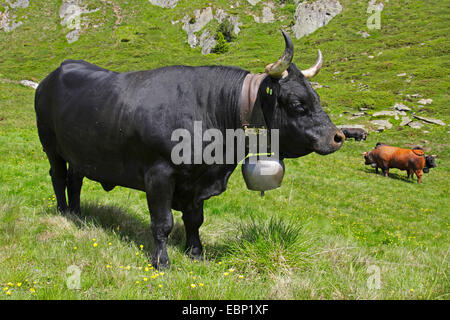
159, 186
193, 219
419, 176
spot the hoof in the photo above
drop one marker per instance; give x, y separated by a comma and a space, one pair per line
195, 253
161, 263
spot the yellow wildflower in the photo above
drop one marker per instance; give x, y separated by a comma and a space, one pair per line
32, 290
201, 284
145, 279
8, 293
95, 244
19, 284
193, 285
225, 274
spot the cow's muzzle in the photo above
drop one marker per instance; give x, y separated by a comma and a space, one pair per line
327, 147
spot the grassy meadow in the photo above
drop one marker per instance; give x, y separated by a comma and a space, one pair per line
334, 230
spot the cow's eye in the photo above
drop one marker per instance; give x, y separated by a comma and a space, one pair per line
299, 108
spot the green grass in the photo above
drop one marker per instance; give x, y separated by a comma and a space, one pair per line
316, 237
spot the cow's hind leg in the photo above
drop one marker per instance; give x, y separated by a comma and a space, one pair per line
159, 187
193, 219
74, 183
58, 173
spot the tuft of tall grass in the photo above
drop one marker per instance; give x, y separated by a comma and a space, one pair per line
274, 246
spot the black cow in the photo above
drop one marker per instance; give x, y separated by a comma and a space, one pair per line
429, 163
356, 133
115, 128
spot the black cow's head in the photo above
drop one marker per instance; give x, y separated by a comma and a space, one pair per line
429, 161
291, 105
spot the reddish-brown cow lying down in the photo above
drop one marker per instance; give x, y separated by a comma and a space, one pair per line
386, 157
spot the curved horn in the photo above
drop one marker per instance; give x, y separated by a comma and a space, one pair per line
278, 69
311, 72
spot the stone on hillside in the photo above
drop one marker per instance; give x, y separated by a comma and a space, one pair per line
311, 16
207, 42
429, 120
70, 14
196, 22
8, 20
389, 114
415, 125
220, 15
253, 2
267, 15
401, 107
405, 121
382, 124
425, 101
384, 113
363, 34
28, 83
19, 3
352, 126
165, 3
236, 24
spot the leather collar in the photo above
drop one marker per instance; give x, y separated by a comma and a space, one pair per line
251, 116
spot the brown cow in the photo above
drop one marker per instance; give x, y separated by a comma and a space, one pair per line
385, 157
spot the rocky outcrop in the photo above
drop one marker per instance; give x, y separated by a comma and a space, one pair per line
70, 14
8, 18
267, 15
18, 3
429, 120
381, 124
165, 3
311, 16
196, 22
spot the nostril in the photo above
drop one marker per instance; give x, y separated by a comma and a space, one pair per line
339, 137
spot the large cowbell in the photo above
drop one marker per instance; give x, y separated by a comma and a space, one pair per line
262, 169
